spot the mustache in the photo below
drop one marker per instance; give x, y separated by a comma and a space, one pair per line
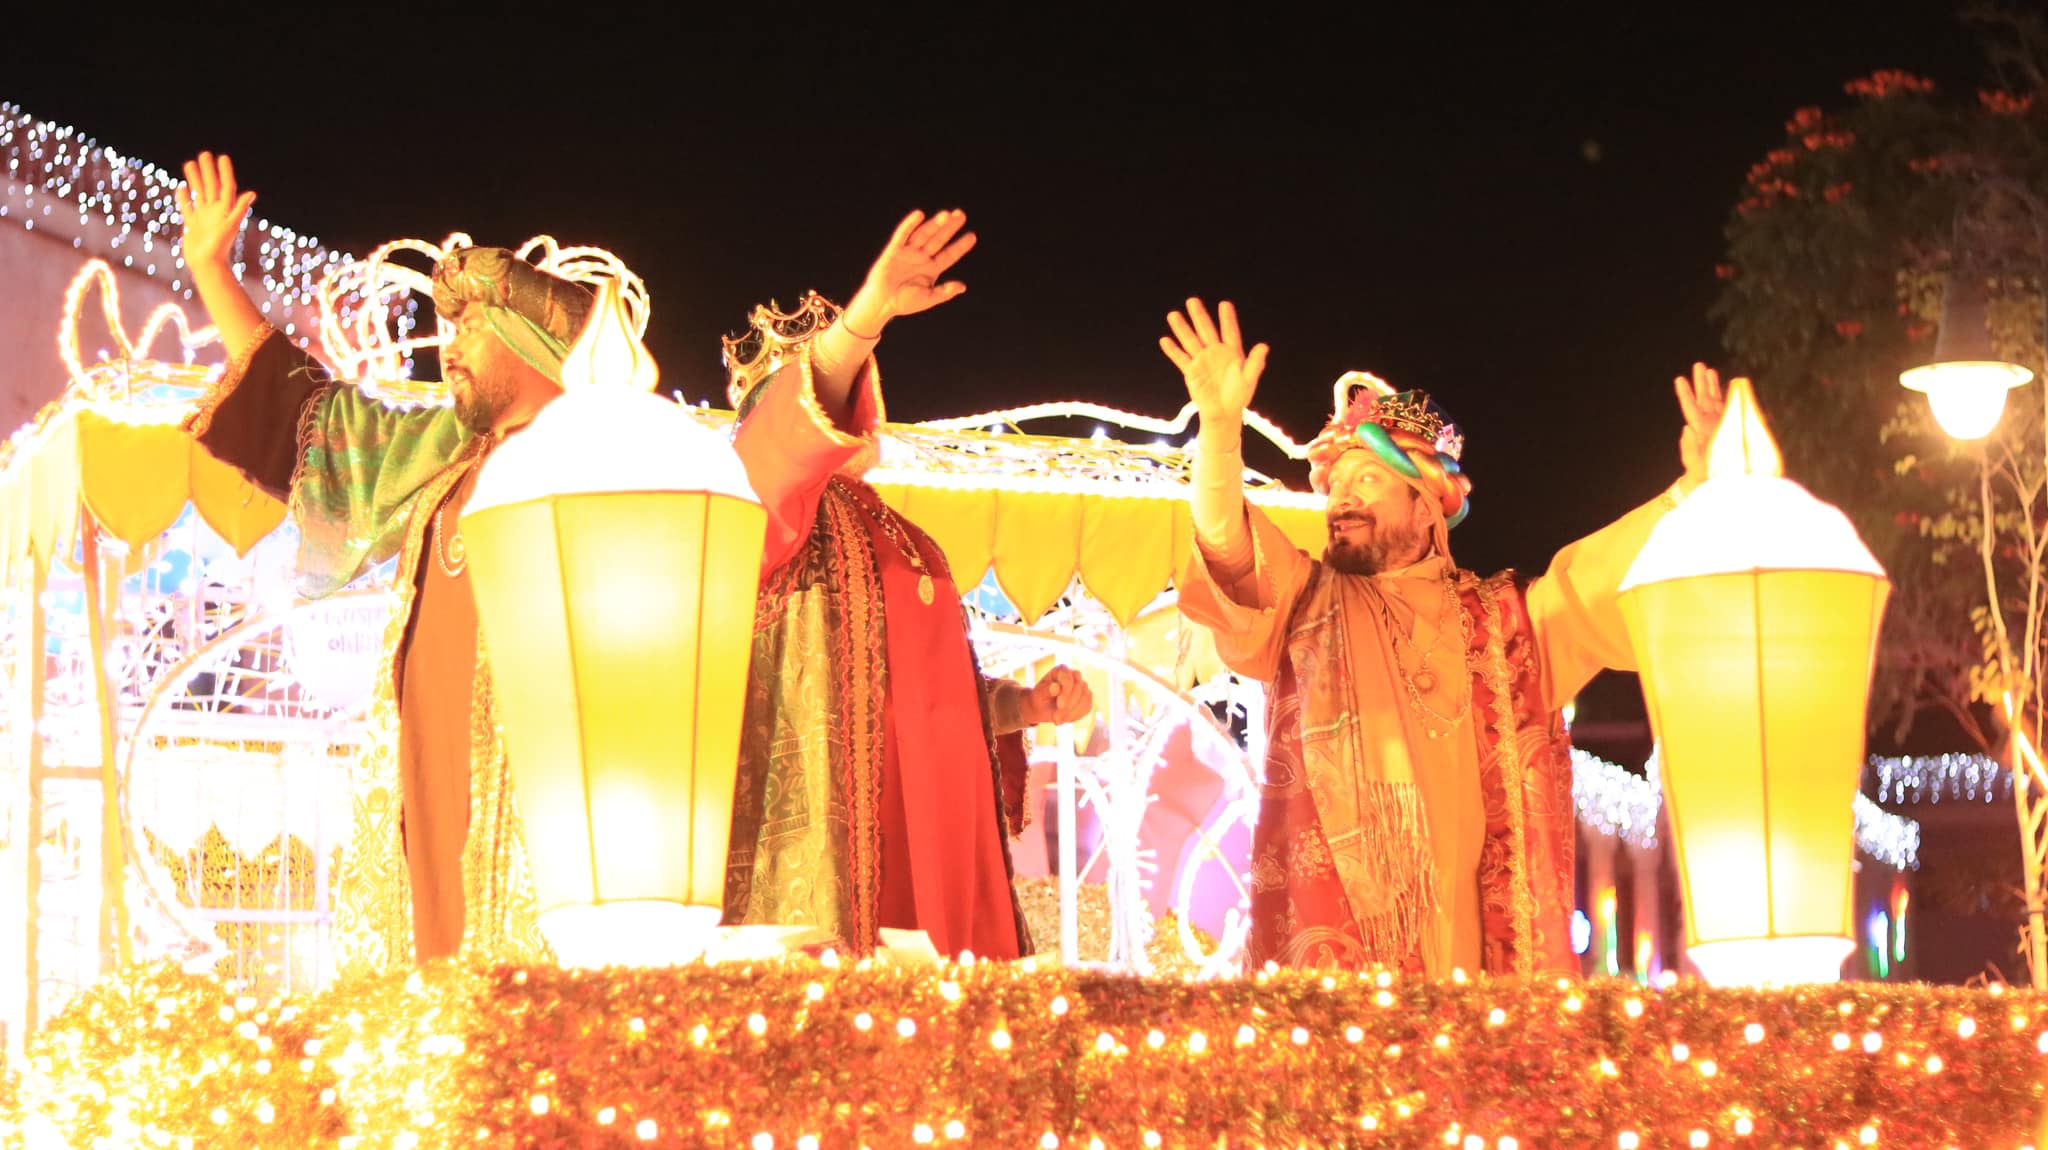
1351, 519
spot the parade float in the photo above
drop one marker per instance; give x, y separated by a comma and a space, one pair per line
183, 734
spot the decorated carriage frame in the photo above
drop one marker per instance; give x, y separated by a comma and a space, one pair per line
182, 731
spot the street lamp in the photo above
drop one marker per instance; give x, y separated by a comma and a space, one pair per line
1966, 383
1966, 386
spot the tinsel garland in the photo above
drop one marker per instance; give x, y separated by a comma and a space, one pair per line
1040, 898
806, 1054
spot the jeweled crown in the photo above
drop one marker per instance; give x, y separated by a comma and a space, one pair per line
772, 338
1363, 397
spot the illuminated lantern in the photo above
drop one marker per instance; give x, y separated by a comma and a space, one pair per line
1967, 382
615, 547
1754, 611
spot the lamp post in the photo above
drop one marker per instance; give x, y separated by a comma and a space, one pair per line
1966, 385
615, 549
1754, 611
1966, 382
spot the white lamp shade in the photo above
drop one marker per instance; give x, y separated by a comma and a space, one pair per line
1967, 396
615, 549
1754, 610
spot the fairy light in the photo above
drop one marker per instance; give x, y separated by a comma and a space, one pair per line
63, 185
1622, 804
1129, 420
424, 1056
1972, 778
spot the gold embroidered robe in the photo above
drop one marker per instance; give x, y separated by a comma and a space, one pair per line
364, 482
1377, 844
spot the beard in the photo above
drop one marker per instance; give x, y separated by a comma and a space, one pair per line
477, 403
1385, 549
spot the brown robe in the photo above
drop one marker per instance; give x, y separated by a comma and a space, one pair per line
454, 828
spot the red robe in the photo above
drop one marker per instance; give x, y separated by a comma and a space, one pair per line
870, 793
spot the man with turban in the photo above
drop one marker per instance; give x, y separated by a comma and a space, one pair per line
1416, 810
365, 482
880, 774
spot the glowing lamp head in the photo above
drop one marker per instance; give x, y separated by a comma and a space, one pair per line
614, 547
1967, 382
1753, 610
1967, 396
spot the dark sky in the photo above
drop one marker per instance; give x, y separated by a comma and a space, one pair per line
1417, 196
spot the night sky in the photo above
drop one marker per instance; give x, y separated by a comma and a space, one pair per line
1519, 213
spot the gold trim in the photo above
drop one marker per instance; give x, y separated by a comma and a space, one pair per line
200, 421
1514, 784
864, 689
868, 442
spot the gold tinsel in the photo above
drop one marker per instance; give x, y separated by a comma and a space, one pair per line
803, 1054
1040, 898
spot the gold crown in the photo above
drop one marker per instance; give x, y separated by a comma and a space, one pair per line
1361, 396
1408, 411
772, 338
369, 308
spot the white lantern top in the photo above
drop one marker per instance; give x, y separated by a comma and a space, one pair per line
608, 431
1747, 516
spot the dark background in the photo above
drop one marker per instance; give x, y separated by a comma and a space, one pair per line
1517, 209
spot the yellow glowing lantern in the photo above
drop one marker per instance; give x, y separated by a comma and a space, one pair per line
615, 546
1754, 611
1967, 382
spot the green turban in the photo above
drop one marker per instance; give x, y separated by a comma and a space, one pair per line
536, 314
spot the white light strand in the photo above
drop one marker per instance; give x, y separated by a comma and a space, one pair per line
1893, 840
1081, 409
60, 183
1937, 778
1620, 803
1614, 800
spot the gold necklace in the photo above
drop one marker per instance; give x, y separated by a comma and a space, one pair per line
925, 589
453, 554
1434, 724
453, 557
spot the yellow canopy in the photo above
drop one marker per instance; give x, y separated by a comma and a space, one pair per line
1126, 547
133, 469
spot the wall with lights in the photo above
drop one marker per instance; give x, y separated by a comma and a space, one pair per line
64, 199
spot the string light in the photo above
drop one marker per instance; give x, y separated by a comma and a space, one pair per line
1129, 420
432, 1056
60, 183
1935, 778
1618, 802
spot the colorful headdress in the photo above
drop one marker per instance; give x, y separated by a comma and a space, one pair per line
536, 314
1406, 430
772, 340
368, 307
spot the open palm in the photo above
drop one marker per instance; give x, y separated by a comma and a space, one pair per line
1702, 401
213, 209
1221, 377
905, 278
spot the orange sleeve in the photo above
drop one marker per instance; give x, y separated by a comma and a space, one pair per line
792, 447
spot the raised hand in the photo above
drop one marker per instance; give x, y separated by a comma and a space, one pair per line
1702, 401
213, 209
1221, 377
905, 278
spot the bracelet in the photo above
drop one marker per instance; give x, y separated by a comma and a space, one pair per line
848, 329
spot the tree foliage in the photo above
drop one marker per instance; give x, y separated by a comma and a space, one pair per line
1838, 253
